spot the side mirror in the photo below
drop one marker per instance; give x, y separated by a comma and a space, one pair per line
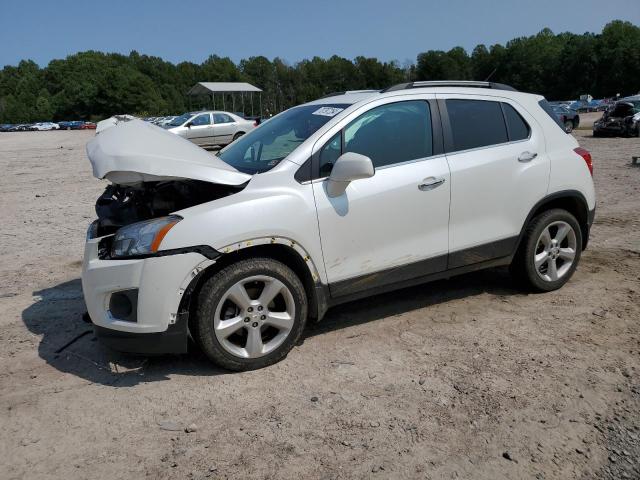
349, 166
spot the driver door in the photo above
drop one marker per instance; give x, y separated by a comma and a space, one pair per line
201, 130
393, 226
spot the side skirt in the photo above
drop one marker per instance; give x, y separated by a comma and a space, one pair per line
490, 255
497, 262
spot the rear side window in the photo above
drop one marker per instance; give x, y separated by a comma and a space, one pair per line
476, 123
393, 133
516, 125
548, 109
222, 118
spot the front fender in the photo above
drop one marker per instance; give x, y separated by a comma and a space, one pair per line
259, 214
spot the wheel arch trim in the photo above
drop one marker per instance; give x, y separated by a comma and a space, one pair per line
584, 217
278, 248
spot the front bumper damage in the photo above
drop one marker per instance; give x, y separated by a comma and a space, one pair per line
138, 305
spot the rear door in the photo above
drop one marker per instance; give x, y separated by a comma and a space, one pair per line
393, 226
201, 130
224, 127
499, 171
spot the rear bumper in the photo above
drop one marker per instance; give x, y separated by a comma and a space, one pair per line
591, 215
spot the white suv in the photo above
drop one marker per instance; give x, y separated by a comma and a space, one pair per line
347, 196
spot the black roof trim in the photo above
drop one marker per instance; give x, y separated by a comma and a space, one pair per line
449, 83
335, 94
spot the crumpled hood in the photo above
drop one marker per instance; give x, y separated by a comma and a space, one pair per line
136, 151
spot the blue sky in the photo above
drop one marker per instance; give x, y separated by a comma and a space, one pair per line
175, 30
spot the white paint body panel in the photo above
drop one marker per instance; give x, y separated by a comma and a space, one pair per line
355, 227
492, 192
159, 280
137, 151
273, 204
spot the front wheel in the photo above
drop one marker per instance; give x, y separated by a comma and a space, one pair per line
549, 252
568, 126
250, 314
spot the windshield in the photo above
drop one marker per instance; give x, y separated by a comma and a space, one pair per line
263, 148
176, 122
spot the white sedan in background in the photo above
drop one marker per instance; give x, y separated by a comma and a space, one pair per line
45, 126
210, 128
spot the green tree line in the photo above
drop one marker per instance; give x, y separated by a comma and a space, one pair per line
93, 85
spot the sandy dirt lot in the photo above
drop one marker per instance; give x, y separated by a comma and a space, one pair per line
466, 378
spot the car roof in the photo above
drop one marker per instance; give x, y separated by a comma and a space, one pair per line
437, 87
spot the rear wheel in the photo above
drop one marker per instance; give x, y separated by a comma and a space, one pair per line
237, 136
549, 252
250, 314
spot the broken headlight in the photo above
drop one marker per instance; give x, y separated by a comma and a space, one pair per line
142, 238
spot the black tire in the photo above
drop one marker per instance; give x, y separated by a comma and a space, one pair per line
237, 136
568, 126
523, 265
213, 290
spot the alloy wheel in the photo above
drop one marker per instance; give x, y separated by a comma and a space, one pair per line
555, 251
254, 316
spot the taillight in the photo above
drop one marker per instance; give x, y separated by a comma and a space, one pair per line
586, 157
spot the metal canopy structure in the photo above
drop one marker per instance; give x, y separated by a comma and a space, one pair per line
210, 89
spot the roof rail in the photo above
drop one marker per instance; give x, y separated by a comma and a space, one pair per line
449, 83
335, 94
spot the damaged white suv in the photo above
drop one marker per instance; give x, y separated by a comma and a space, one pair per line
348, 196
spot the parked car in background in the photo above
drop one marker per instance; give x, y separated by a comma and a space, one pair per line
45, 126
72, 125
88, 126
6, 127
165, 120
210, 128
21, 127
622, 118
345, 197
567, 117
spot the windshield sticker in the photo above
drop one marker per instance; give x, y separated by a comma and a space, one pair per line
328, 111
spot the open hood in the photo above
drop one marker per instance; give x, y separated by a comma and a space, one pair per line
135, 151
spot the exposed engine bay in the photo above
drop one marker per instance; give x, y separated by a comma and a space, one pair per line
121, 205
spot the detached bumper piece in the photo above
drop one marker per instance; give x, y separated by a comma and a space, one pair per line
173, 340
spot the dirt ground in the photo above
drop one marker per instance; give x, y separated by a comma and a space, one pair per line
466, 378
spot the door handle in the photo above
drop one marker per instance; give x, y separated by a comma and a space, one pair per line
430, 183
527, 157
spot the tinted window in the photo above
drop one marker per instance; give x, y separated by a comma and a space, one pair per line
329, 154
392, 133
476, 123
518, 128
204, 119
